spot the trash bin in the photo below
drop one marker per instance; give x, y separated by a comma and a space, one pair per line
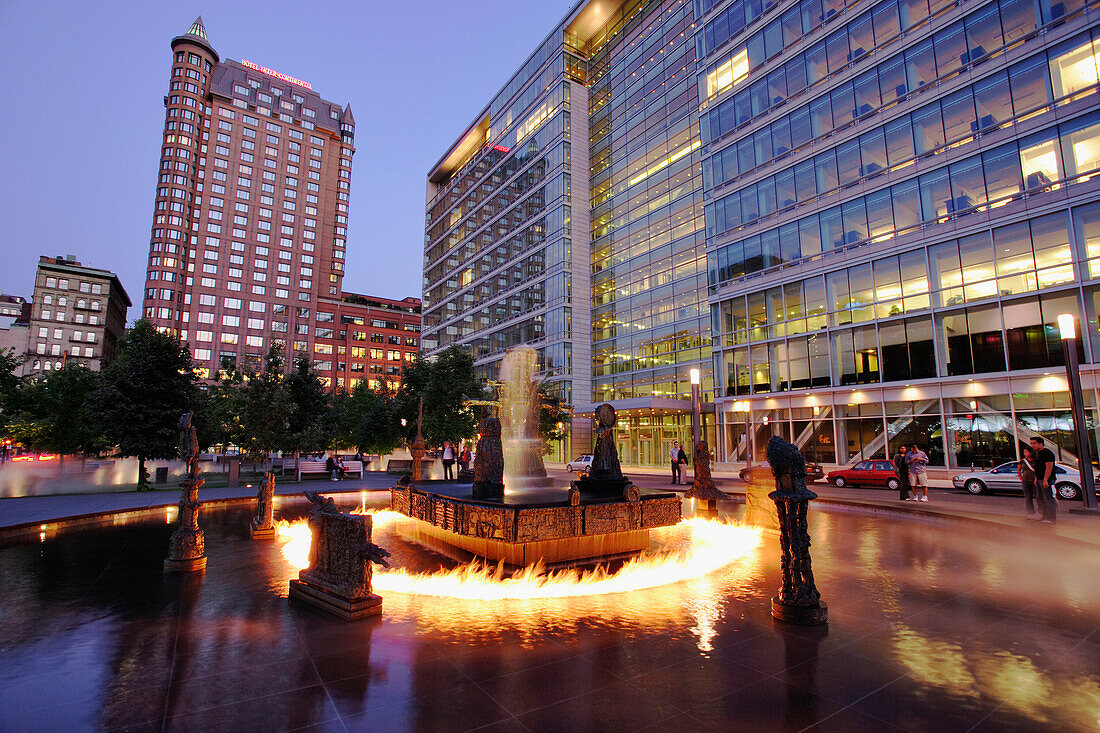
234, 465
161, 475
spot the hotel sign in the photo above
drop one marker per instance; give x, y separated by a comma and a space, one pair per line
283, 77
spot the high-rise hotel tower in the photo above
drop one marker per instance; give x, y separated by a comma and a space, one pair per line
569, 216
250, 217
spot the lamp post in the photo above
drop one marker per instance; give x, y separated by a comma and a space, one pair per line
695, 418
1067, 329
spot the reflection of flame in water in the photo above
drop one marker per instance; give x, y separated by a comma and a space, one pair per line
709, 545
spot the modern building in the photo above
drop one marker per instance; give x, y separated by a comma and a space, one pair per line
569, 216
78, 313
902, 196
249, 228
364, 339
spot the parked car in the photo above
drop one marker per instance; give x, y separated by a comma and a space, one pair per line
579, 464
1067, 481
763, 472
878, 473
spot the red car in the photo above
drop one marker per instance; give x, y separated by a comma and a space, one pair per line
875, 474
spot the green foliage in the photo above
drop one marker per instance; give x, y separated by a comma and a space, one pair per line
264, 408
554, 415
216, 411
142, 394
376, 426
444, 383
310, 425
9, 385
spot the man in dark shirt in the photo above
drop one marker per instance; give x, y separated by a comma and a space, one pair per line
1044, 480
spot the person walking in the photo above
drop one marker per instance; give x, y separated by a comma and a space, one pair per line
674, 458
1025, 469
448, 461
682, 457
918, 467
901, 470
1044, 481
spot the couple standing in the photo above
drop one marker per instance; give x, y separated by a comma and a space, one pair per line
678, 458
911, 467
1036, 472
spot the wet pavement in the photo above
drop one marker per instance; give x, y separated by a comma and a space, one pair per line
931, 627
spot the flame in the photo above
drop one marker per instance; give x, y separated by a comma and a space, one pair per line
709, 545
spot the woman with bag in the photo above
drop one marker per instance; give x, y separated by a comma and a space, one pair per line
1025, 469
683, 459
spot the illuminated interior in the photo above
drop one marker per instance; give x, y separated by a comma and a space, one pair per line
733, 71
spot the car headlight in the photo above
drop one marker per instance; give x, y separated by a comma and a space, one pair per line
956, 478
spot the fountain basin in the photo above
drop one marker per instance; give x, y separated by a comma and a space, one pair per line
535, 525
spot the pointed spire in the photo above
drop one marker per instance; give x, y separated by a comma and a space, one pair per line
348, 117
196, 34
197, 29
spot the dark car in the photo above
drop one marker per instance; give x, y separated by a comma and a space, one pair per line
878, 473
763, 472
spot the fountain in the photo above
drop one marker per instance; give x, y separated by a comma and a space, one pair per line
519, 418
513, 513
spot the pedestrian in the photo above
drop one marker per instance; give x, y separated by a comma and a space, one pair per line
901, 470
683, 458
1025, 469
332, 468
464, 459
1044, 481
918, 466
674, 457
448, 461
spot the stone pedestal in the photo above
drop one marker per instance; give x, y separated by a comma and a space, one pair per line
187, 548
338, 579
702, 486
262, 526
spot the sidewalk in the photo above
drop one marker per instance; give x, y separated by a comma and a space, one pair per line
39, 509
1000, 514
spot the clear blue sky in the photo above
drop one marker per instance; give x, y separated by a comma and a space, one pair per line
82, 116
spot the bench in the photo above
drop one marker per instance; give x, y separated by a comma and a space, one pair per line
318, 467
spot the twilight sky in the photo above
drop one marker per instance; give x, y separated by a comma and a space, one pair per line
82, 117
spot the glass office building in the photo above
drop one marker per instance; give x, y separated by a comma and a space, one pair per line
569, 216
901, 198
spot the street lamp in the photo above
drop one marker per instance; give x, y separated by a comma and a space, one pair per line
695, 419
1067, 329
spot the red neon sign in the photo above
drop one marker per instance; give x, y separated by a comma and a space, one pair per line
283, 77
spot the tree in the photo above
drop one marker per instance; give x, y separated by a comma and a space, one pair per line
216, 411
309, 421
142, 394
554, 415
9, 385
375, 426
444, 383
265, 408
56, 414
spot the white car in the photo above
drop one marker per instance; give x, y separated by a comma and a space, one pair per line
580, 464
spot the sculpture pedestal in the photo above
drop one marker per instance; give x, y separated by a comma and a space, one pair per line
348, 609
266, 533
187, 565
615, 487
801, 615
187, 546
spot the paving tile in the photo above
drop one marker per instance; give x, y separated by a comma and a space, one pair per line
770, 704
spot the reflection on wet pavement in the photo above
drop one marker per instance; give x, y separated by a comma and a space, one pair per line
930, 627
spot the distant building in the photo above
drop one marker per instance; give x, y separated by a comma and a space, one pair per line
78, 313
15, 313
250, 216
365, 339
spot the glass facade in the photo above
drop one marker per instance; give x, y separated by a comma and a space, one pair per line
900, 201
